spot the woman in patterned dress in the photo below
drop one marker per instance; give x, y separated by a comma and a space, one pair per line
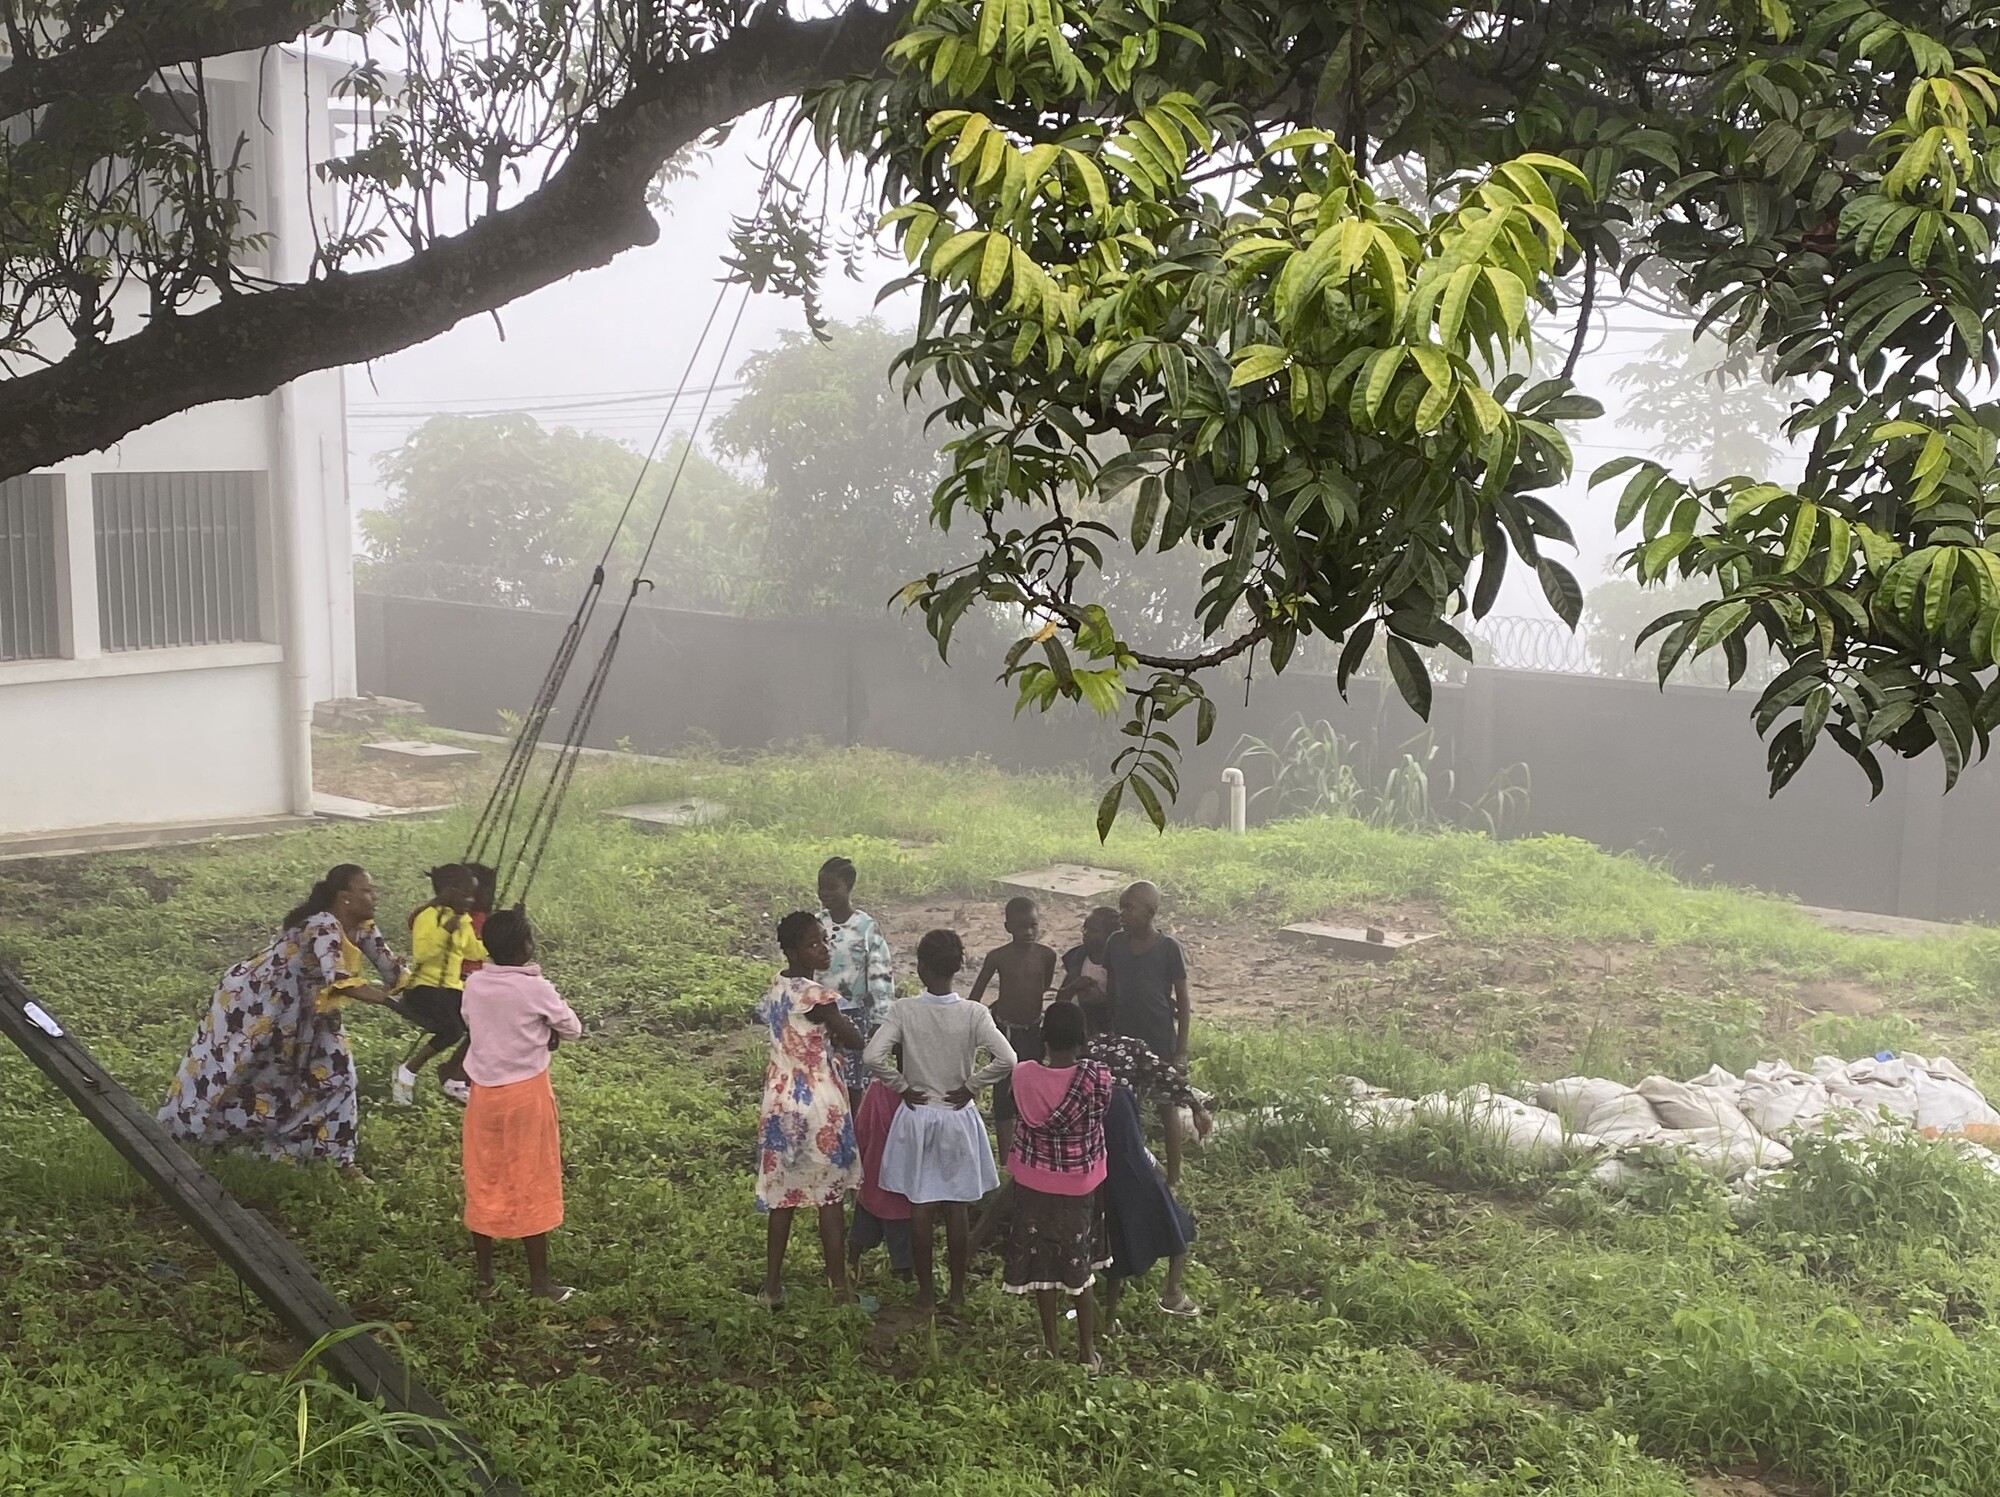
806, 1154
270, 1068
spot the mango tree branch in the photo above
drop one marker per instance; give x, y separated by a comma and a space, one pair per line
151, 36
590, 210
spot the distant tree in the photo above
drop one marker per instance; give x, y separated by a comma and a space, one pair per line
495, 508
1717, 407
848, 470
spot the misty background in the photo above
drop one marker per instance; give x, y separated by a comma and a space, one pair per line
601, 353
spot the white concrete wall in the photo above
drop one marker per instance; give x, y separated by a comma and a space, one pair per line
214, 732
143, 739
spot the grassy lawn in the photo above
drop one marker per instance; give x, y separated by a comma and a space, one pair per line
1399, 1315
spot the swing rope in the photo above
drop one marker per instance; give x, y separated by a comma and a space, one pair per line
542, 822
494, 841
492, 833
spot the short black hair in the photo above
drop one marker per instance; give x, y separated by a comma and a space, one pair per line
1097, 1015
841, 868
1020, 904
794, 928
508, 938
940, 951
1062, 1027
1102, 915
451, 876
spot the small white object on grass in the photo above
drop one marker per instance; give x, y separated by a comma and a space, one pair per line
39, 1017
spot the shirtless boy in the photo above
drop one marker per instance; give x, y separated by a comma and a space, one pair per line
1025, 970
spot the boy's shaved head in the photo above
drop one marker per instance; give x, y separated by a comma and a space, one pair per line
1144, 894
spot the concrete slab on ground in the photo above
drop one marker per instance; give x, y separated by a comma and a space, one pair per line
1867, 923
1359, 943
346, 808
410, 753
1072, 880
668, 815
128, 837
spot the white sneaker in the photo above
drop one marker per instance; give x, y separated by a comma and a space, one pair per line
459, 1091
403, 1088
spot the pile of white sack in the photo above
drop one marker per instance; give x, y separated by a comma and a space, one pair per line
1733, 1126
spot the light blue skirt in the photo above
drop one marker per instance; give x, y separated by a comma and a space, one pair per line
938, 1153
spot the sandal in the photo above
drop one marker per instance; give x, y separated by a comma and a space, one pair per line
355, 1173
771, 1304
1095, 1366
563, 1294
1183, 1307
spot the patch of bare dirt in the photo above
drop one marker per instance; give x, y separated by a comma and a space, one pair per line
1741, 1483
1839, 998
1543, 1002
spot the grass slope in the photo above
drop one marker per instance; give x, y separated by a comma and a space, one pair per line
1401, 1316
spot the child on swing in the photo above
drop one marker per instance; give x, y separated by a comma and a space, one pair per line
442, 940
807, 1156
512, 1148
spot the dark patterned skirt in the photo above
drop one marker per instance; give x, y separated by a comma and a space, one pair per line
1055, 1242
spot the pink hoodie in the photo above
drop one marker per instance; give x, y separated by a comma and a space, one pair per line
511, 1012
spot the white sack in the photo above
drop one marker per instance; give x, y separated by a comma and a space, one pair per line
1511, 1125
1779, 1099
1683, 1104
1384, 1114
1604, 1109
1574, 1098
1716, 1079
1728, 1153
1874, 1088
1946, 1098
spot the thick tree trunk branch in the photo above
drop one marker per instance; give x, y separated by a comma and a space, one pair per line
131, 51
593, 208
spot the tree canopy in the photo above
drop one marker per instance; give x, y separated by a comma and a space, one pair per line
496, 509
1262, 274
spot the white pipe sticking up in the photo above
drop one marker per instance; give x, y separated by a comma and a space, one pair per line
1239, 800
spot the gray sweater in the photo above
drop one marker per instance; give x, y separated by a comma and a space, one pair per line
941, 1035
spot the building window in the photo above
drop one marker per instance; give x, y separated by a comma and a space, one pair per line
30, 512
178, 559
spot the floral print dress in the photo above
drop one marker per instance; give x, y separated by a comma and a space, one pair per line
269, 1068
805, 1136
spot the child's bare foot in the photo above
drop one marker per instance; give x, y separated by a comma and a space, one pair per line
926, 1304
485, 1289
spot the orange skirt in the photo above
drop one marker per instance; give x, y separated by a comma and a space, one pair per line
513, 1160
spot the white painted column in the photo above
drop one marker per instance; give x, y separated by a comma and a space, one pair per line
291, 537
76, 567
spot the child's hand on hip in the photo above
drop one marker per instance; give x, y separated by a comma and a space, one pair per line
960, 1097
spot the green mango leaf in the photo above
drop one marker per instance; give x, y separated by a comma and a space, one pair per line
1255, 361
1406, 666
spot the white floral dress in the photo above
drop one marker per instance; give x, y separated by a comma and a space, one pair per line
806, 1154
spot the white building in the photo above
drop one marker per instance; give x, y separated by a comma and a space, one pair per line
171, 607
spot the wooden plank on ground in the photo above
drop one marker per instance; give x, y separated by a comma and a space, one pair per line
261, 1256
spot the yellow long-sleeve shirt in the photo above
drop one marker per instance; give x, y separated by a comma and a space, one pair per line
437, 955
